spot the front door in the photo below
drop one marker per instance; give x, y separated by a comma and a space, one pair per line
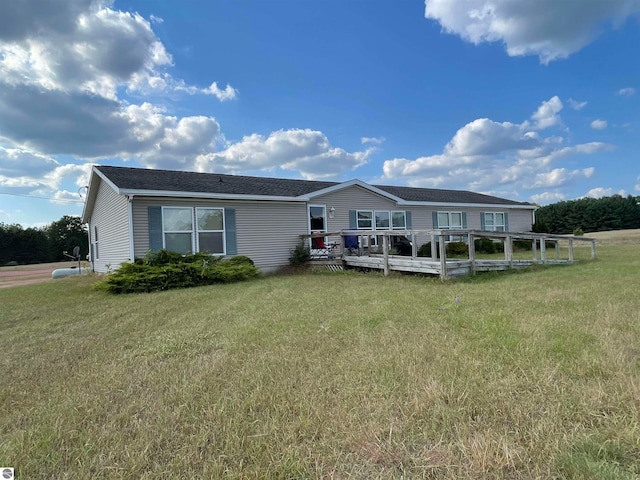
318, 224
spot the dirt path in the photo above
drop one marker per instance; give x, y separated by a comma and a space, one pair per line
28, 274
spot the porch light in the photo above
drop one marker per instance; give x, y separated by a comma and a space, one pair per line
332, 212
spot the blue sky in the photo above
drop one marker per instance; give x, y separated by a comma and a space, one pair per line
532, 101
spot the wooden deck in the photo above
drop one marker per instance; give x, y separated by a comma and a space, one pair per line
438, 264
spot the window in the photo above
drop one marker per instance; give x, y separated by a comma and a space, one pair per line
398, 220
364, 219
95, 243
210, 230
179, 234
494, 221
451, 220
380, 220
177, 225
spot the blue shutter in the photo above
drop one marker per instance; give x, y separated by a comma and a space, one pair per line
353, 222
155, 228
483, 224
230, 231
506, 221
408, 225
464, 219
435, 219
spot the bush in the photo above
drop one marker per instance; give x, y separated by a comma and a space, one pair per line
457, 248
484, 245
12, 263
578, 232
425, 250
166, 270
522, 245
300, 255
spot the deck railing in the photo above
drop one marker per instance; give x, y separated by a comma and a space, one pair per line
335, 248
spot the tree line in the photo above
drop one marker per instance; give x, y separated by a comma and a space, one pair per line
589, 215
20, 245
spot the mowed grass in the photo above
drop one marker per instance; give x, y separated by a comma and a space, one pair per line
534, 374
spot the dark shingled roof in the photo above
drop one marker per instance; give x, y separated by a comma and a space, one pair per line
179, 181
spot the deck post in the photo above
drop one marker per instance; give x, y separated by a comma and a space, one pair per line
472, 253
385, 253
442, 246
571, 250
534, 248
593, 249
414, 246
508, 250
543, 249
557, 249
434, 248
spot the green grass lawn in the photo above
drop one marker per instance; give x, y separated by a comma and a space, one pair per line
534, 374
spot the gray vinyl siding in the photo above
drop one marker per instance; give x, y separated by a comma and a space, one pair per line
266, 231
111, 216
351, 198
357, 198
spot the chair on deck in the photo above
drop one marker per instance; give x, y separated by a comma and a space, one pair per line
351, 245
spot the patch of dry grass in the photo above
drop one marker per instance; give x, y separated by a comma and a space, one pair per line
531, 374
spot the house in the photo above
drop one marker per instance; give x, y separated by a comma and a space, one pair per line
131, 211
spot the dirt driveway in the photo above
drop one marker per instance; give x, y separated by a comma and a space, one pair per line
28, 274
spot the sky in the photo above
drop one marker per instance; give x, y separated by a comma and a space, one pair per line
531, 101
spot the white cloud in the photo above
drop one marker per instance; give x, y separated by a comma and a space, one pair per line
547, 114
306, 151
373, 140
73, 62
559, 177
599, 124
576, 105
600, 192
545, 198
64, 197
485, 155
530, 28
627, 92
229, 93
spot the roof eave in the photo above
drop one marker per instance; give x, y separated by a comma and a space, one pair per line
476, 205
208, 195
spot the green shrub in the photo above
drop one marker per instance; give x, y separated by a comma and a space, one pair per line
457, 248
522, 245
484, 245
177, 271
578, 232
425, 250
12, 263
300, 254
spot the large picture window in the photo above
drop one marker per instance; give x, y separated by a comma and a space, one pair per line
179, 234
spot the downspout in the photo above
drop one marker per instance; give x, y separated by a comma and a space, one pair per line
130, 212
